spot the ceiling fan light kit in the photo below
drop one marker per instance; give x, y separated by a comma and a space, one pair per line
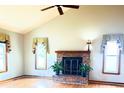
59, 7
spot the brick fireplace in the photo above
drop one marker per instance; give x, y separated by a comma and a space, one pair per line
71, 61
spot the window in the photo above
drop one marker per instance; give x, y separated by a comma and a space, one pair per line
3, 58
41, 56
111, 62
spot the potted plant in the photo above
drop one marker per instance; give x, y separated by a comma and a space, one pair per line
57, 67
85, 69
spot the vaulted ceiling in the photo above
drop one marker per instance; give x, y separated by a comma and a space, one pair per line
23, 19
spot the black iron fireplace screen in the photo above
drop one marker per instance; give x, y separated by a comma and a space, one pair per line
71, 65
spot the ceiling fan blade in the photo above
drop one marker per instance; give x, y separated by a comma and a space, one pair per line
60, 10
47, 8
71, 6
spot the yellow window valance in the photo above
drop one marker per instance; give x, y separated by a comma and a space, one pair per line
5, 39
40, 41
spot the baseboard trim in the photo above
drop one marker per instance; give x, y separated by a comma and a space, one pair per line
24, 76
35, 76
106, 82
1, 81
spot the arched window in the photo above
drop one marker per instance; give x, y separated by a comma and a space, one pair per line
111, 58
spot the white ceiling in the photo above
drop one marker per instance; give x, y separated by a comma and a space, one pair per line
22, 19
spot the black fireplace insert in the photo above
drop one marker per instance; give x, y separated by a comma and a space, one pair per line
71, 65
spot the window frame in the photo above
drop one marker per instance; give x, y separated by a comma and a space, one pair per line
119, 63
36, 61
6, 60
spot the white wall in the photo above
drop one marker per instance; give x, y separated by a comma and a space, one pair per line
15, 57
71, 31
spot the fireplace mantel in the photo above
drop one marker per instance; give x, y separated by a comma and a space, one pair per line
58, 52
68, 53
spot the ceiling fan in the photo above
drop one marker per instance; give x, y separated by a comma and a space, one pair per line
59, 7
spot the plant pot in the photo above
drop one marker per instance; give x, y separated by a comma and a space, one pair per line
84, 74
57, 72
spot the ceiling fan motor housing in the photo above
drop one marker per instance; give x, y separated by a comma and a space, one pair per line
60, 9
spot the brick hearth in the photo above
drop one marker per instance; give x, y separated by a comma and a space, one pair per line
70, 79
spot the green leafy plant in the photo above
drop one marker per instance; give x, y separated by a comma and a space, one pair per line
57, 67
85, 68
